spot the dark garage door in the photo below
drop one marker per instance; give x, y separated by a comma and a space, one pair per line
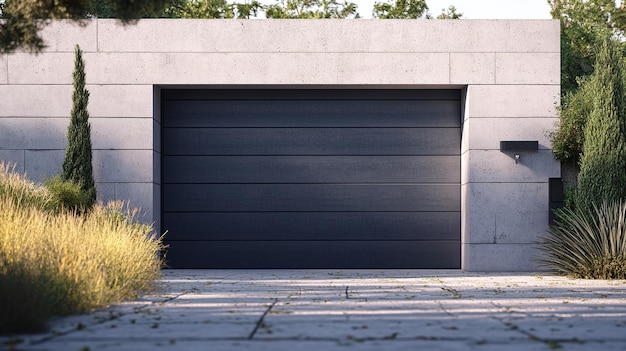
276, 178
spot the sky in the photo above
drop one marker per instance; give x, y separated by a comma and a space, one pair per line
478, 9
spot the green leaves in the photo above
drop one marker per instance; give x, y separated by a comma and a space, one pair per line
583, 25
569, 137
589, 241
311, 9
401, 9
603, 163
23, 19
77, 166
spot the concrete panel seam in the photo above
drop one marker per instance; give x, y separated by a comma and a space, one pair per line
111, 149
115, 117
522, 84
555, 118
449, 68
513, 117
495, 68
304, 52
523, 183
513, 243
377, 52
194, 52
97, 36
6, 62
48, 149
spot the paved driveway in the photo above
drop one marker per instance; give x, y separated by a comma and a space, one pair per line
353, 310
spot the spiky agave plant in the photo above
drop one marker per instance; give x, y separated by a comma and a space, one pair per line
588, 244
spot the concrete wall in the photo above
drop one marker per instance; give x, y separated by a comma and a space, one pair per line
509, 71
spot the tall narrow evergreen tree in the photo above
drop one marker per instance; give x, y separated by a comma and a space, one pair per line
603, 163
77, 165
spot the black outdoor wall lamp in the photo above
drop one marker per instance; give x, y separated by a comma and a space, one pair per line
519, 146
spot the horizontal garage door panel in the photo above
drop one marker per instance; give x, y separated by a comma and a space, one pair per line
310, 197
356, 113
312, 169
326, 94
312, 141
311, 178
316, 254
306, 226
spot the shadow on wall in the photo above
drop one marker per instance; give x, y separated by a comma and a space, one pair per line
35, 145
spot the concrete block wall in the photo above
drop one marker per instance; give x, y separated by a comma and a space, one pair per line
508, 70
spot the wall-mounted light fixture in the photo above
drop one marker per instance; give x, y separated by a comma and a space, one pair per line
519, 146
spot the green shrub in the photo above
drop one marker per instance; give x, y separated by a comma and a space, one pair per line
67, 194
77, 166
59, 262
602, 169
568, 138
569, 196
588, 243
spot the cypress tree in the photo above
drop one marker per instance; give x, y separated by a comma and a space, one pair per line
603, 163
77, 166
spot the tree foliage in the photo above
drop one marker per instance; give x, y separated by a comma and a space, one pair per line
583, 25
77, 166
401, 9
210, 9
199, 9
311, 9
24, 19
603, 164
450, 13
569, 137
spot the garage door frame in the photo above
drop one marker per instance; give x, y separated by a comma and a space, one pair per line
325, 91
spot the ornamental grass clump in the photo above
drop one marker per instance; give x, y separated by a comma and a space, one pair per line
16, 188
55, 263
589, 244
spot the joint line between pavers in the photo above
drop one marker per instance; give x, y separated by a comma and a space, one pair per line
170, 298
260, 321
56, 334
515, 327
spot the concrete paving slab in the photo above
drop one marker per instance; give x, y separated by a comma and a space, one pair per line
469, 330
287, 345
120, 330
350, 309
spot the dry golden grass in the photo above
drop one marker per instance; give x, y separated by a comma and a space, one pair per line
58, 262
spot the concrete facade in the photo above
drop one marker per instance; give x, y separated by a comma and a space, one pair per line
509, 71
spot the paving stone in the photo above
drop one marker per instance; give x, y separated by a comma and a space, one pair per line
407, 328
351, 309
278, 345
122, 330
597, 329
